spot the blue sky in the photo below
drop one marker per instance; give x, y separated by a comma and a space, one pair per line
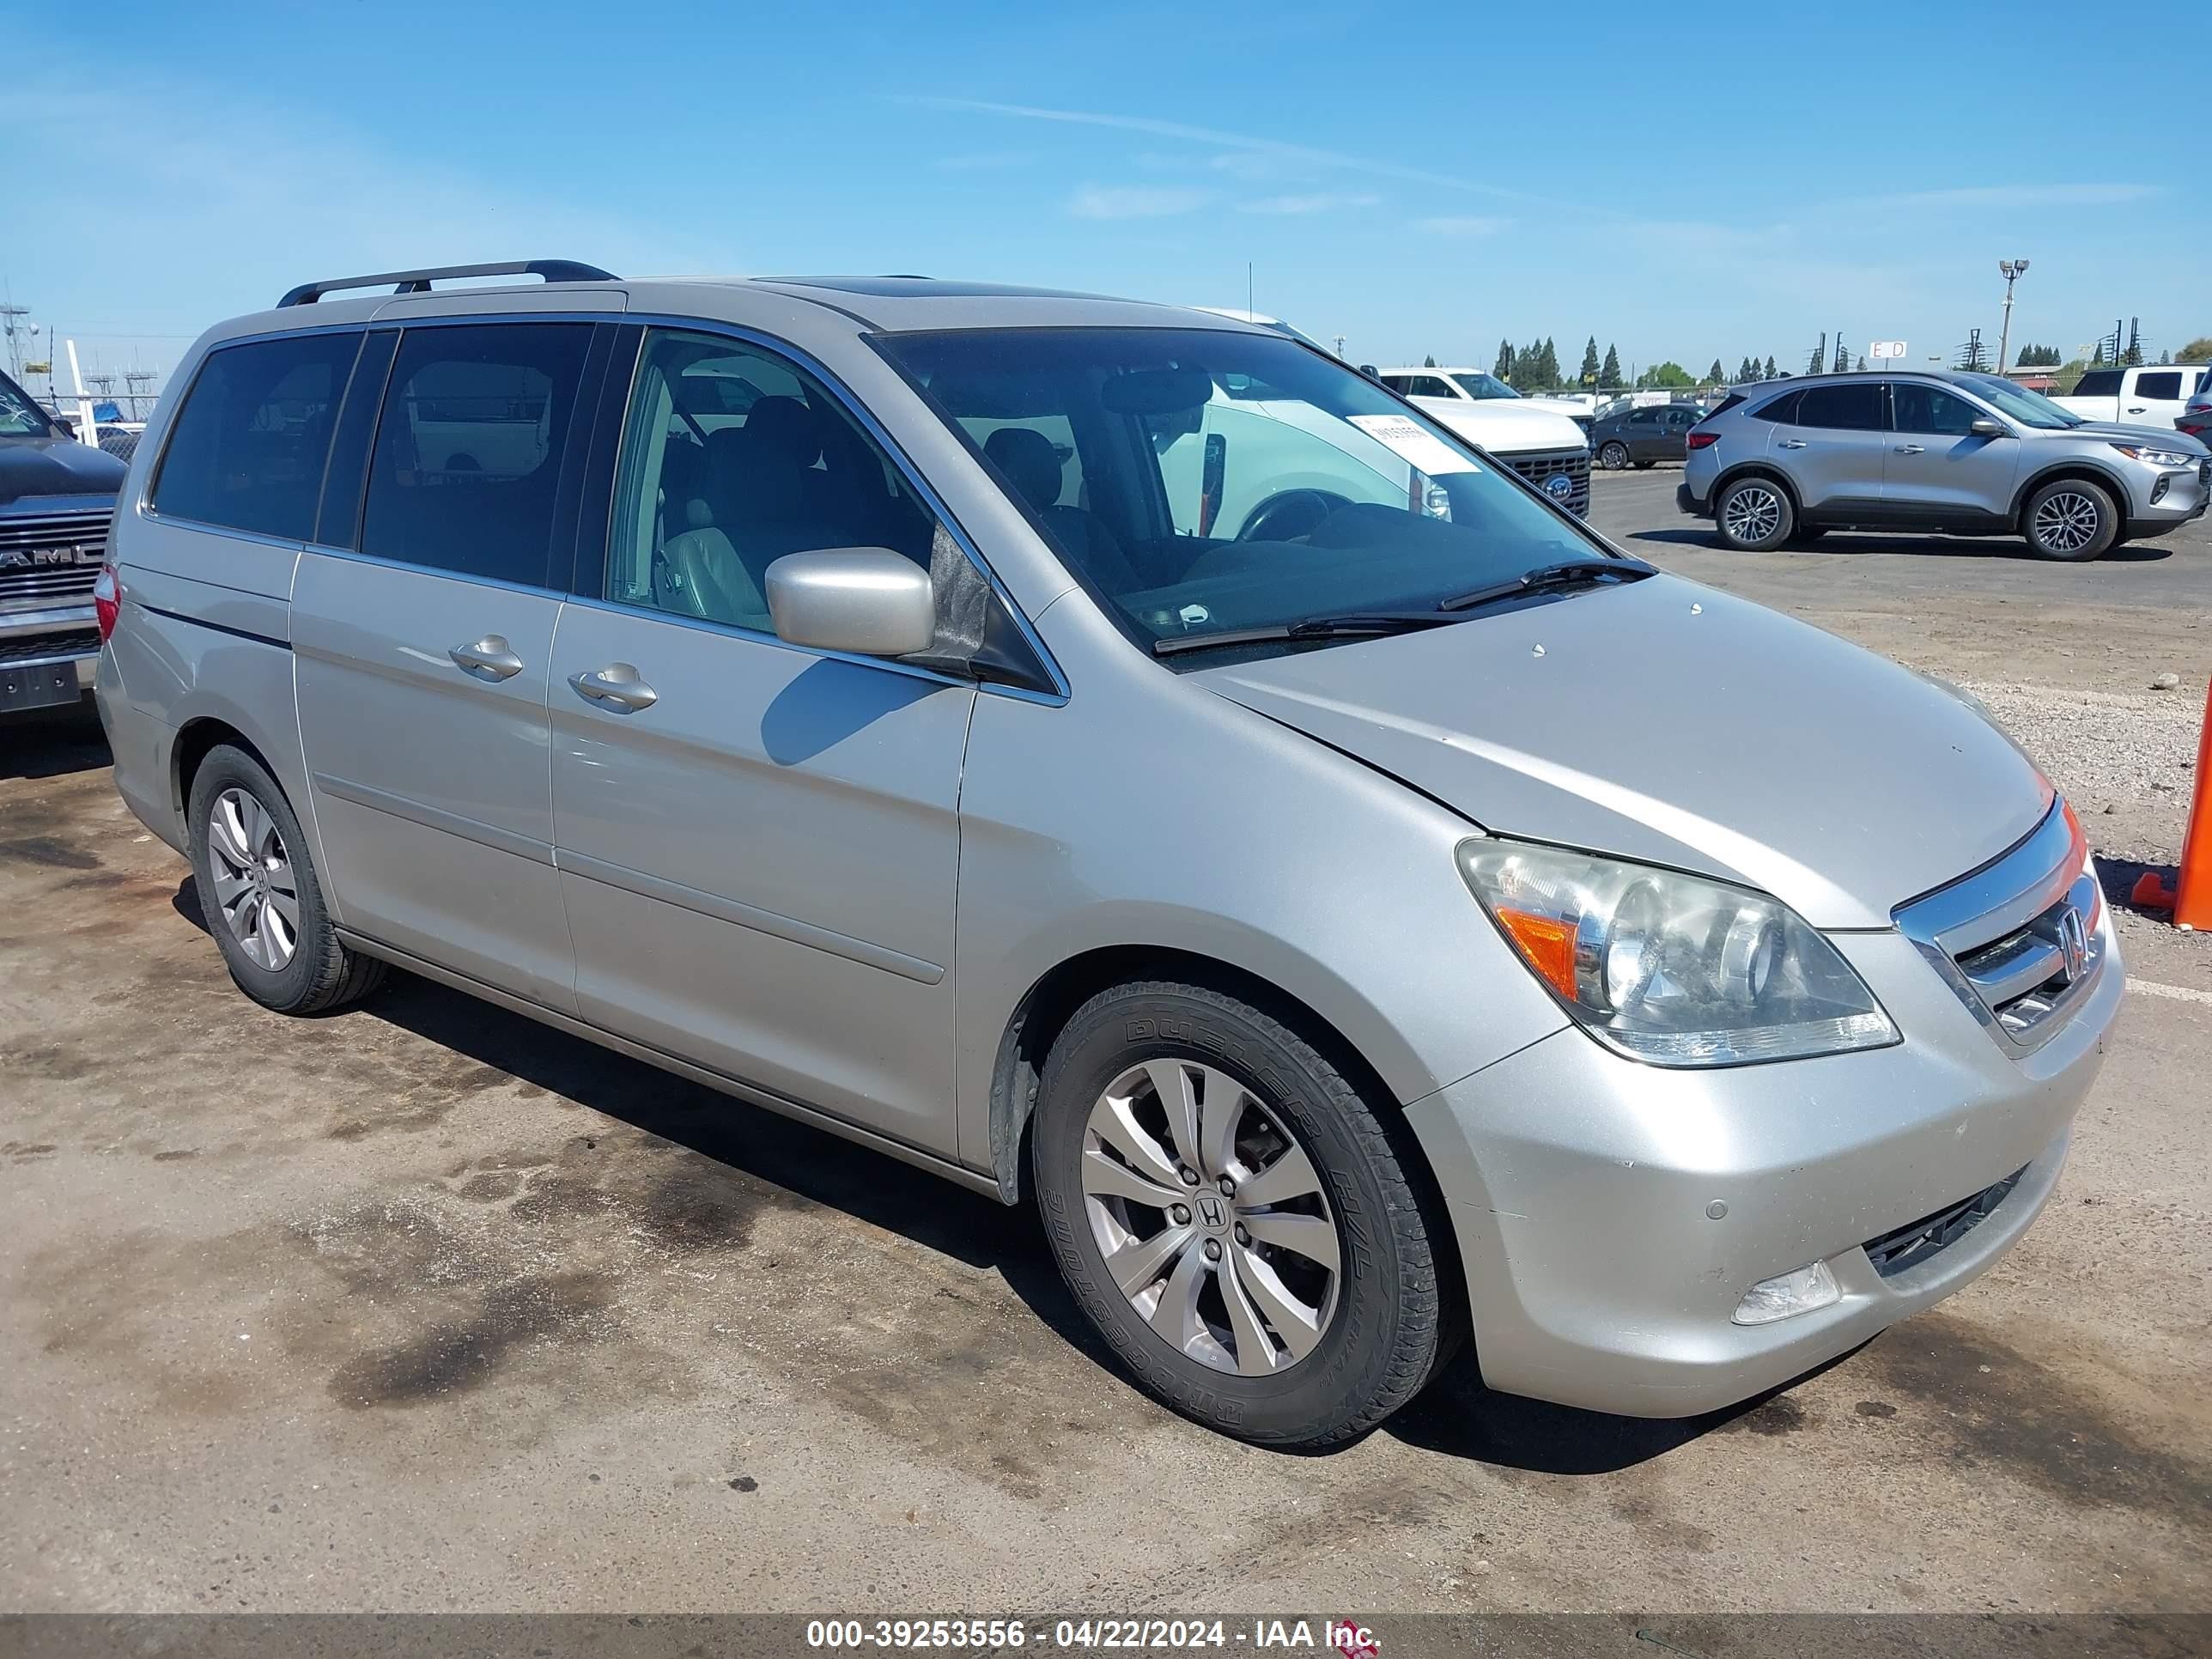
1688, 180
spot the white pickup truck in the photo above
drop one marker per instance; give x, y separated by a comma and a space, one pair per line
1545, 440
2150, 395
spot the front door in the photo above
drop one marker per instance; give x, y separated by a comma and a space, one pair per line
758, 844
422, 659
1935, 462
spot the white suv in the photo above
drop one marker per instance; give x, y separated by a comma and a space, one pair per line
1545, 440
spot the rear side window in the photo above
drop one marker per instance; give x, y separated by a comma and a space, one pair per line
467, 459
1849, 408
1733, 400
2099, 383
251, 440
2166, 385
1782, 411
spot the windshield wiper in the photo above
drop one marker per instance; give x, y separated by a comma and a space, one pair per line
1362, 624
1551, 577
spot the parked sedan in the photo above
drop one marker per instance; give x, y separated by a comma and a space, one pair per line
1638, 437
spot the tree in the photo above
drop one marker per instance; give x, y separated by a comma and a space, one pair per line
1503, 368
1770, 374
2036, 357
1588, 377
1861, 367
1717, 375
1843, 357
1429, 361
1548, 364
2198, 350
1665, 377
1610, 375
2068, 376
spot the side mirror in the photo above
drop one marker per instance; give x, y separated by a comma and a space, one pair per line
1369, 370
1987, 429
869, 601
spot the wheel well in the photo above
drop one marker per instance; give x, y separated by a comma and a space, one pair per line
1756, 469
194, 741
2081, 472
1043, 1013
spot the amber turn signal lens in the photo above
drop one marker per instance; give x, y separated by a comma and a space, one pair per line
1548, 944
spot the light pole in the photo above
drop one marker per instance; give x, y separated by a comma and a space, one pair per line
2012, 270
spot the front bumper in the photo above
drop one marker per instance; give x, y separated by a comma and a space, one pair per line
2169, 499
48, 655
1583, 1188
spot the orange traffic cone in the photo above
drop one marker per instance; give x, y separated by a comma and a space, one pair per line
2191, 896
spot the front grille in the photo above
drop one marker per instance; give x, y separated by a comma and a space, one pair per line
1539, 469
2017, 941
1918, 1241
36, 647
50, 556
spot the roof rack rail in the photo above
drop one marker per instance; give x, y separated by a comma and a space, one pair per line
418, 281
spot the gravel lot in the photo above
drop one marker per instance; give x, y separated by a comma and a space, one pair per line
425, 1306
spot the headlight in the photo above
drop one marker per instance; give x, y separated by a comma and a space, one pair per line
1672, 968
2150, 456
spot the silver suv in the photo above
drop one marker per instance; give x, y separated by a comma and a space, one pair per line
1963, 454
1371, 917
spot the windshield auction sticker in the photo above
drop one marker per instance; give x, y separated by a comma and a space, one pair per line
1406, 440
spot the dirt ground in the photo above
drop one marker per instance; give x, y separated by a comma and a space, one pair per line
423, 1306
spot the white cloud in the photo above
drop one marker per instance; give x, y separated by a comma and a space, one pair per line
1244, 144
1319, 202
1134, 201
1462, 224
2010, 195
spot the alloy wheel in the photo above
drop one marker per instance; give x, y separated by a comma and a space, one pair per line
255, 887
2065, 521
1612, 457
1753, 514
1211, 1217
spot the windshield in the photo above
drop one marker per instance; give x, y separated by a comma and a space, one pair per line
1199, 482
19, 417
1485, 385
2028, 408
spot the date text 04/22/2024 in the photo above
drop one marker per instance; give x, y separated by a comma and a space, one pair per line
1342, 1636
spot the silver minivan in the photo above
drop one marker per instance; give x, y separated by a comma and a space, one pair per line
1379, 917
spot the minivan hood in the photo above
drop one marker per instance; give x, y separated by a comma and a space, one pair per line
1506, 426
1664, 722
56, 466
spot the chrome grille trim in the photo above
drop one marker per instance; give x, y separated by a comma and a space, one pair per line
2000, 936
68, 547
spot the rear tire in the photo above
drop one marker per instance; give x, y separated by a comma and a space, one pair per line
261, 895
1613, 456
1753, 514
1645, 466
1299, 1300
2070, 519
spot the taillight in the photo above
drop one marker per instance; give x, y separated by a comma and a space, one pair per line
1701, 439
107, 600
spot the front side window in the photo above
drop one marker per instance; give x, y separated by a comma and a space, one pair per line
733, 457
1233, 482
1920, 407
1855, 408
2028, 408
467, 457
2165, 385
250, 442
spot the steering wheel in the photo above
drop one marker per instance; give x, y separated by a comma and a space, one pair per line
1294, 513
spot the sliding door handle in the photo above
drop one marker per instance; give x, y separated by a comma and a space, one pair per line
616, 686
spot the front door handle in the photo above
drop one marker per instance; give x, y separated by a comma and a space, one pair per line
2136, 409
1912, 449
616, 686
1791, 443
488, 659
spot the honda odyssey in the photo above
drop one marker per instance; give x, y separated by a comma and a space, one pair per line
1366, 917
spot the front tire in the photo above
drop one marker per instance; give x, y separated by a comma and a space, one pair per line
261, 895
2070, 519
1234, 1217
1753, 515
